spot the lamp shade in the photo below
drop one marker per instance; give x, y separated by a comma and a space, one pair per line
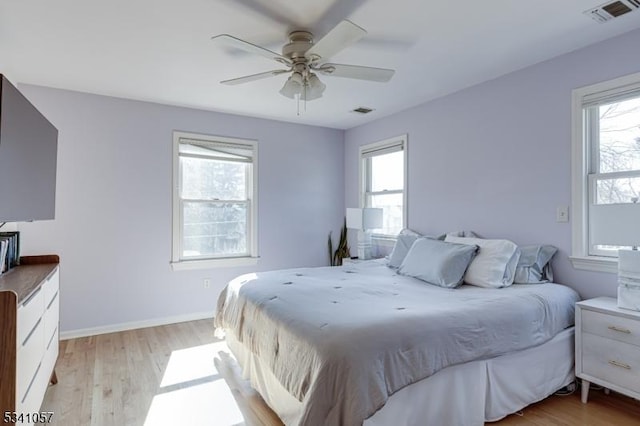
313, 88
293, 86
365, 218
615, 224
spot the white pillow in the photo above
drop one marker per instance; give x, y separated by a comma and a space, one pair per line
495, 264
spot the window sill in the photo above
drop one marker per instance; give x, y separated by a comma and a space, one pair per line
186, 265
383, 240
595, 263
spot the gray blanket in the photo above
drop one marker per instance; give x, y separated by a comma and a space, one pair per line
343, 339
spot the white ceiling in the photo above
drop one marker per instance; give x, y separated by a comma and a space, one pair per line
160, 50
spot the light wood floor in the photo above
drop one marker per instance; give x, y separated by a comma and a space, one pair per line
181, 375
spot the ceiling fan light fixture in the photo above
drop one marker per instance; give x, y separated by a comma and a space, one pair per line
293, 86
314, 88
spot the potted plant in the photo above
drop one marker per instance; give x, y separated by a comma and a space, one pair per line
342, 250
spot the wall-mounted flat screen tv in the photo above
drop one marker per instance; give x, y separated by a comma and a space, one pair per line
28, 157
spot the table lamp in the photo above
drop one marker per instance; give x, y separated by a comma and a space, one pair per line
364, 220
619, 225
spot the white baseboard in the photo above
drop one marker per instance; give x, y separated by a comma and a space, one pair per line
114, 328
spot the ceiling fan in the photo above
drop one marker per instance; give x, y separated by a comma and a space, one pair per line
304, 59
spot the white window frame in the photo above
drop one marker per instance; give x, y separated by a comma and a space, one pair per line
581, 156
384, 146
252, 223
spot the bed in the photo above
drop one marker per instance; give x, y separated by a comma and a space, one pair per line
363, 345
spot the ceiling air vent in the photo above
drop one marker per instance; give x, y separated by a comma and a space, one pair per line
363, 110
608, 11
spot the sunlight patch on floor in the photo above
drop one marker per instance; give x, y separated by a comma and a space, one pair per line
206, 404
192, 391
190, 364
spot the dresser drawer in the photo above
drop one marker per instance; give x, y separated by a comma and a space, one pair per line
51, 317
29, 357
50, 287
611, 360
29, 313
613, 327
29, 403
51, 354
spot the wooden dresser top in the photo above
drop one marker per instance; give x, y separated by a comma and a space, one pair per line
24, 279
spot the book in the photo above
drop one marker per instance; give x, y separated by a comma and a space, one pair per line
10, 252
4, 248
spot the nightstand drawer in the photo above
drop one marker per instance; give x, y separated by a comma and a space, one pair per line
613, 327
611, 361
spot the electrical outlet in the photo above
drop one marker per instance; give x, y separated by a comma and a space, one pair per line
562, 214
206, 283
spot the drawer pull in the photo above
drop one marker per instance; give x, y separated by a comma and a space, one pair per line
31, 332
33, 379
30, 298
52, 336
618, 329
52, 300
619, 364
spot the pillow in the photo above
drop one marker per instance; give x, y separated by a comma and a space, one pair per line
404, 241
472, 234
465, 234
534, 265
438, 262
495, 264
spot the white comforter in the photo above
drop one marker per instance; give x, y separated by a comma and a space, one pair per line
342, 340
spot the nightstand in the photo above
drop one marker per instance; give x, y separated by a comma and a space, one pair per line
608, 346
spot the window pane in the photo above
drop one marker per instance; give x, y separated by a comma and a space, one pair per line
213, 179
387, 171
392, 212
620, 136
618, 191
219, 151
214, 229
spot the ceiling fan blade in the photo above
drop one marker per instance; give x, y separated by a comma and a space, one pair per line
251, 48
341, 36
386, 43
267, 10
381, 75
253, 77
339, 10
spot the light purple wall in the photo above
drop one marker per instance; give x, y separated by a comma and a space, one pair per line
113, 214
496, 158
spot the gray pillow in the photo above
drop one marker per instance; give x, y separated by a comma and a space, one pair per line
534, 265
462, 234
438, 262
404, 241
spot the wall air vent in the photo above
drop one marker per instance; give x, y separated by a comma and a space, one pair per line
608, 11
363, 110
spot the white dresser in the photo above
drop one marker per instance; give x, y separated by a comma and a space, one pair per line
29, 311
608, 346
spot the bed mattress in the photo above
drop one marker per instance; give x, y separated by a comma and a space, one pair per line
342, 340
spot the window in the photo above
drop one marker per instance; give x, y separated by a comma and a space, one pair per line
214, 201
606, 167
384, 183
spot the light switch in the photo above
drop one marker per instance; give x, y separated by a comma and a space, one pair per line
562, 214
